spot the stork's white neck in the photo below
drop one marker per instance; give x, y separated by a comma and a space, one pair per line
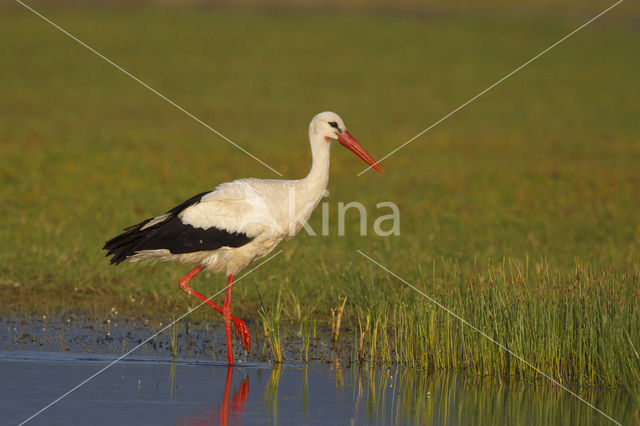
319, 173
309, 191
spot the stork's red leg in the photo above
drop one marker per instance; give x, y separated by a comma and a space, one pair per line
226, 314
242, 331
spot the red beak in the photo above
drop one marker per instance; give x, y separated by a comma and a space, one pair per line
350, 142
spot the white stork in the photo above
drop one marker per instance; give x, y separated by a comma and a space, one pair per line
226, 229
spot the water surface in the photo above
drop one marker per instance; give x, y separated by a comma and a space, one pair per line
40, 361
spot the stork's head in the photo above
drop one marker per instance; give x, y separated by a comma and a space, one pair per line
328, 126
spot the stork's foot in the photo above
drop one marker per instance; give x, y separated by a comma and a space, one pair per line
242, 333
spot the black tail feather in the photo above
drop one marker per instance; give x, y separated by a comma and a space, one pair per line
170, 233
124, 245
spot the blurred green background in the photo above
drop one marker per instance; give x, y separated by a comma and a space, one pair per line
544, 168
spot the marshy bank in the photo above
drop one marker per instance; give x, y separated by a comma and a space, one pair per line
578, 325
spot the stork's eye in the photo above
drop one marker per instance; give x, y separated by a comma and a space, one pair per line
334, 125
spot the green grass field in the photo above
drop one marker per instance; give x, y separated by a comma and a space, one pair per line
519, 213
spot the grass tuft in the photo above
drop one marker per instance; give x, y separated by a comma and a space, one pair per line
271, 327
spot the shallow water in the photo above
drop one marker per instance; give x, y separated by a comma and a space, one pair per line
150, 388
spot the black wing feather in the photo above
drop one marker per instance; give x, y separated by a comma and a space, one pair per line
172, 234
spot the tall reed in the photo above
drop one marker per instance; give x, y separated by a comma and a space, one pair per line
580, 327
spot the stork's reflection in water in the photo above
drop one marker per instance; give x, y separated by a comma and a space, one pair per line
219, 413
